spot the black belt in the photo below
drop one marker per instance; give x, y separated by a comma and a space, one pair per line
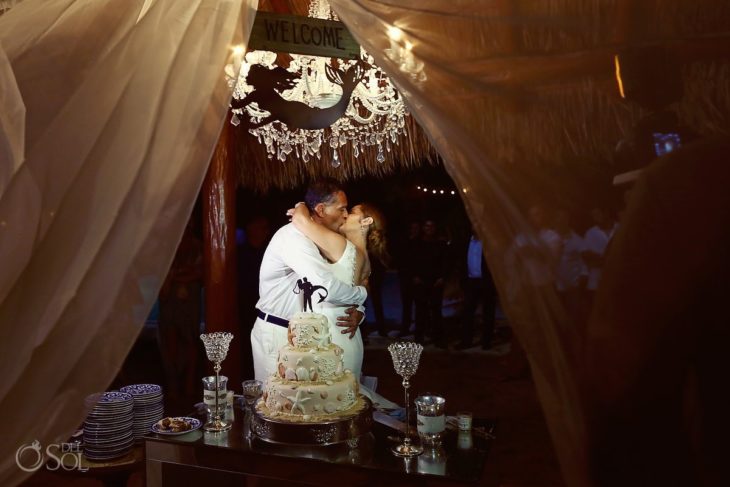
272, 319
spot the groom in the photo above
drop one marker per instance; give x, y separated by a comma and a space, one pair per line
290, 257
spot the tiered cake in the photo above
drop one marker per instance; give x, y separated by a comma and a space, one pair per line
310, 384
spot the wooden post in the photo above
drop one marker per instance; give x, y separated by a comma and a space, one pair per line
219, 224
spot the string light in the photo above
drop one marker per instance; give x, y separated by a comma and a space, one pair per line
435, 191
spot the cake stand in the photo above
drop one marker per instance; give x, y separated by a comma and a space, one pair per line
348, 428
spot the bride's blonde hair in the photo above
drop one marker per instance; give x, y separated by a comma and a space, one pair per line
377, 243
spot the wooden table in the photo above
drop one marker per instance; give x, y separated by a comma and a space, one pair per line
112, 473
229, 458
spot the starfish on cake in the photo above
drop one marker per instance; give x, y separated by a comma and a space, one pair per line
297, 401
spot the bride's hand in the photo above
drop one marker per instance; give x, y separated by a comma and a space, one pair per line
300, 209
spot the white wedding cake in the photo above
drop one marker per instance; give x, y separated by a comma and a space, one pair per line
310, 383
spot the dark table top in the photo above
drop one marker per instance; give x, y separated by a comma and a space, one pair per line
460, 458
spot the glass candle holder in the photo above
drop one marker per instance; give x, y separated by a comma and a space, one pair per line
209, 396
229, 414
431, 418
464, 419
252, 390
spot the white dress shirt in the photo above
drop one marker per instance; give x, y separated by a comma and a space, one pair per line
289, 257
596, 240
538, 260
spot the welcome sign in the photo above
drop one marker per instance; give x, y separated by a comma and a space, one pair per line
302, 35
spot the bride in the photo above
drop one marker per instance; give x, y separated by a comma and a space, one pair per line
348, 251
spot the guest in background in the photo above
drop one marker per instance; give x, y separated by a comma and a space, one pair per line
429, 277
180, 315
478, 288
532, 260
596, 240
655, 369
534, 255
375, 295
406, 269
250, 254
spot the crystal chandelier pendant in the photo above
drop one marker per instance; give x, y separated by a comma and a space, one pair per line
335, 159
375, 114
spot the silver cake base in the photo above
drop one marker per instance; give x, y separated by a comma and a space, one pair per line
343, 429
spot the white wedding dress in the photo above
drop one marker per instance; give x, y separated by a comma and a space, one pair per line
353, 349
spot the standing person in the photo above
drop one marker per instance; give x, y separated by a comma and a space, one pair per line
535, 253
291, 256
532, 260
406, 269
596, 240
478, 288
350, 251
250, 255
656, 348
180, 312
429, 277
375, 293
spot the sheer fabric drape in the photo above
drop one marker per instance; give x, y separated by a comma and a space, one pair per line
108, 120
439, 54
520, 101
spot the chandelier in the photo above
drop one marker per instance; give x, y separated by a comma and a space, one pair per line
375, 115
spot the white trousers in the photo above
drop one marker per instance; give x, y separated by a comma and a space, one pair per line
266, 340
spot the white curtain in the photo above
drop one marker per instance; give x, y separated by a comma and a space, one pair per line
109, 114
519, 98
436, 58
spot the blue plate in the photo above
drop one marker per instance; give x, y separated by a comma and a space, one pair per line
115, 397
142, 389
193, 422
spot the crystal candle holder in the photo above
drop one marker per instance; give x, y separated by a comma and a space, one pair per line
405, 357
216, 348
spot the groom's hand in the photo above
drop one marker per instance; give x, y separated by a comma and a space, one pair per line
351, 321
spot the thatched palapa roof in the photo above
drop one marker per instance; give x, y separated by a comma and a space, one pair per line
550, 66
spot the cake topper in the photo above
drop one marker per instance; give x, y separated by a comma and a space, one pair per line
307, 289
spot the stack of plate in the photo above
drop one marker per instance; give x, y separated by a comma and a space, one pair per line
108, 427
148, 408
